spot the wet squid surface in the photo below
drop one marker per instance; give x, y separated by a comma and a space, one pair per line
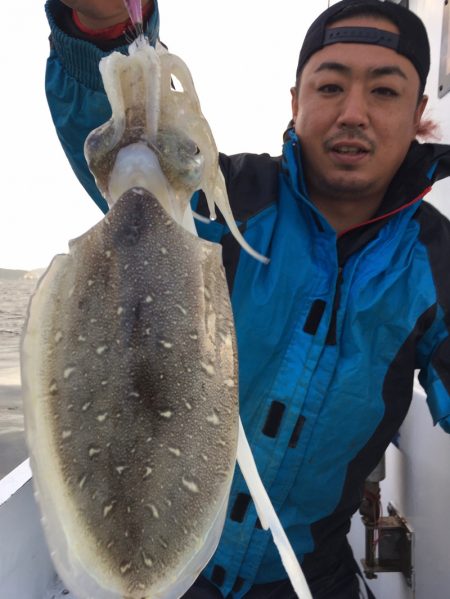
129, 364
130, 382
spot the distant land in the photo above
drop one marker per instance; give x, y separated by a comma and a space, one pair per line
11, 274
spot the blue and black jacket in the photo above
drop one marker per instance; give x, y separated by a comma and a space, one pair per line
330, 332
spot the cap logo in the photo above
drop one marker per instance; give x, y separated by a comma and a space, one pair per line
361, 35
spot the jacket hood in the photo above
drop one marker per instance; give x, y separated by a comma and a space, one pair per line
423, 165
438, 155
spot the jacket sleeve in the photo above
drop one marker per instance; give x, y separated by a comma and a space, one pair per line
75, 94
435, 379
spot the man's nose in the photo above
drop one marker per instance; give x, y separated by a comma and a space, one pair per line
354, 109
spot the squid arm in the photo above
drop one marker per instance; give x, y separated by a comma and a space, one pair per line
268, 516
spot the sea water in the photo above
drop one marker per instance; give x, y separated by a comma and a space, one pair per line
14, 298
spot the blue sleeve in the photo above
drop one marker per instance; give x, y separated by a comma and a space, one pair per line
435, 376
75, 93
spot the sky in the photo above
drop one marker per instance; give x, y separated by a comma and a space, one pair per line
242, 55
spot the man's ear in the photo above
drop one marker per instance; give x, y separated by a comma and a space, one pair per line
419, 113
294, 102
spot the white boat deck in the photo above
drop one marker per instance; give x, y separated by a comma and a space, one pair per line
26, 571
57, 590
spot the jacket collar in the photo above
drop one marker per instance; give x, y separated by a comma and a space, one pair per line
423, 165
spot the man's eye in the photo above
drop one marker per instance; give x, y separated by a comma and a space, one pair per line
385, 91
330, 88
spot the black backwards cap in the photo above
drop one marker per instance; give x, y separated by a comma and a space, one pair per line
412, 41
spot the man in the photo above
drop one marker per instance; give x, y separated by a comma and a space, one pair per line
356, 294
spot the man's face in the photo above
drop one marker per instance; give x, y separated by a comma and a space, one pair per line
356, 114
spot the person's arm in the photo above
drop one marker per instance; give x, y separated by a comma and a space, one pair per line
74, 87
435, 376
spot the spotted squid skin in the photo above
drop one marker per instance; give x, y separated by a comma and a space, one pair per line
141, 392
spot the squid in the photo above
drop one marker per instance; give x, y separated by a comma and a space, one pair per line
129, 357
